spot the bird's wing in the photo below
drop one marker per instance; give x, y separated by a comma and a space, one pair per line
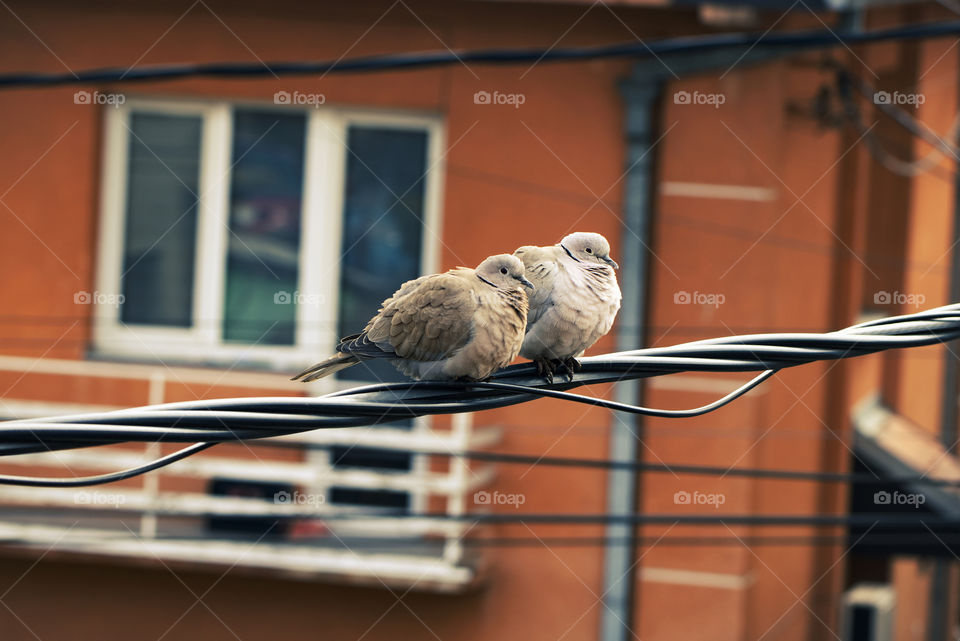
541, 267
428, 319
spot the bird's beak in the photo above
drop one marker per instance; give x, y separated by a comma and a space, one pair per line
611, 262
526, 283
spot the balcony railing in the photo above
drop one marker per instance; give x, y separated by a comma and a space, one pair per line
280, 507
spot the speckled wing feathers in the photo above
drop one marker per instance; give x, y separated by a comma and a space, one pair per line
454, 325
428, 319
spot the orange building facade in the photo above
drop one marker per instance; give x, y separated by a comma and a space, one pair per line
765, 215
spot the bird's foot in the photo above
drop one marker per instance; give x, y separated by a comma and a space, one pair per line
570, 367
545, 368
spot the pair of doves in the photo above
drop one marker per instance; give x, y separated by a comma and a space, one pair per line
465, 324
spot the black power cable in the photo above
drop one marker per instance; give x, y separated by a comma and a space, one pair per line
807, 39
213, 421
847, 83
663, 468
392, 543
900, 522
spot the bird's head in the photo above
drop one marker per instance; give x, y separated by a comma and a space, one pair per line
504, 271
588, 247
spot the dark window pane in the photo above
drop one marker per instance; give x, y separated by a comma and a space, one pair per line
376, 459
862, 623
349, 456
264, 244
377, 498
244, 526
382, 228
161, 220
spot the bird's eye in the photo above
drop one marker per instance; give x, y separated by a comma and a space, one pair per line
588, 250
503, 270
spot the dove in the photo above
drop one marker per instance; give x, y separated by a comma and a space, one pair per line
463, 324
574, 301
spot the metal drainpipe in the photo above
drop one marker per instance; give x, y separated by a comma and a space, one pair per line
641, 93
640, 99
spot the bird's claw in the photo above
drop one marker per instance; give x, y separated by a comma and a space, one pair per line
570, 367
545, 368
567, 366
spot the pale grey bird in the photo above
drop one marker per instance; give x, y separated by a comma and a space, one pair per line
461, 324
574, 302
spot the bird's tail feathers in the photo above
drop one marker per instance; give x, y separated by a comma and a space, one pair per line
326, 368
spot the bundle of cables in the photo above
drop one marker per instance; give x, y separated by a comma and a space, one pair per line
209, 422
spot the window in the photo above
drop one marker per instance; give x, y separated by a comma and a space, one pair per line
259, 234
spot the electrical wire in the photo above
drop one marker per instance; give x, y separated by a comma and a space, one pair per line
878, 538
211, 421
941, 146
900, 116
798, 40
394, 543
662, 468
897, 521
357, 543
930, 163
611, 464
100, 479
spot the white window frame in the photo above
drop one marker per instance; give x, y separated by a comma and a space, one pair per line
321, 230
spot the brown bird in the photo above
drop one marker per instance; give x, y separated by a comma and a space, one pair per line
461, 324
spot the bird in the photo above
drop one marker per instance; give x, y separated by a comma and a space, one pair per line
574, 301
463, 324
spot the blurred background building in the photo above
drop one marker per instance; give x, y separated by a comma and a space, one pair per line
207, 237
